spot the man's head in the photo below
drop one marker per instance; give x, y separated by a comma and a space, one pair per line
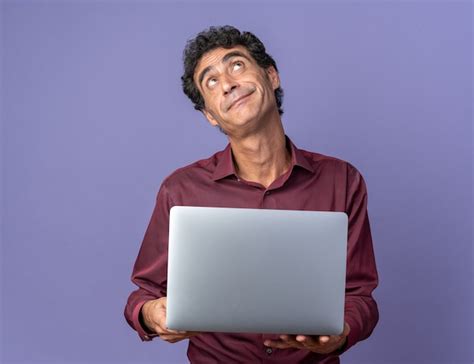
230, 78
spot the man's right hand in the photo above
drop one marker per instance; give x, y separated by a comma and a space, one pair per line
154, 317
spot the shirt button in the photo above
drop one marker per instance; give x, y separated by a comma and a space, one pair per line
267, 192
269, 351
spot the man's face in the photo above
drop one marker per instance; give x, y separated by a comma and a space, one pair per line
237, 92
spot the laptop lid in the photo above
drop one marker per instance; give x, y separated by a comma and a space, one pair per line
256, 270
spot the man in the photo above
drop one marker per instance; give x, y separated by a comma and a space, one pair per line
230, 78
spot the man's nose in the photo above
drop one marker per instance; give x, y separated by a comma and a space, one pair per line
229, 84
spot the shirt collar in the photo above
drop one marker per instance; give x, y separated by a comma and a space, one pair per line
225, 165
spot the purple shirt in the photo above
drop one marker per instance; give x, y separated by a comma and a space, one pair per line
313, 182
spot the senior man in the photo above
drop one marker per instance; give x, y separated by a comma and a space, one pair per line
234, 82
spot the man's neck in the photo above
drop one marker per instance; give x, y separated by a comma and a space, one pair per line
262, 156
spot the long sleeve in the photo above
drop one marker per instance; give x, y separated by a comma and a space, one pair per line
150, 269
361, 312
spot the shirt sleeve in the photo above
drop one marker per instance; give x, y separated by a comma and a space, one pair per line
150, 269
361, 312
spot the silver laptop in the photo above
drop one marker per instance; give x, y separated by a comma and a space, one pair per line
256, 270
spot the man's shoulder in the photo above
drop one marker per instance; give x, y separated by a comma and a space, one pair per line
320, 160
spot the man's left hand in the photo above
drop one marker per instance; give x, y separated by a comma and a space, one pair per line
321, 344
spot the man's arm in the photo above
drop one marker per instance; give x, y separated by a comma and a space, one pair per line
361, 312
150, 269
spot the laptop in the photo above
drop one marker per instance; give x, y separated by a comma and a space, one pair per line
256, 270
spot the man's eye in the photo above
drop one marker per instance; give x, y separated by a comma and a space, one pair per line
237, 65
211, 82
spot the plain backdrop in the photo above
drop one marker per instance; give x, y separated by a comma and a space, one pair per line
94, 118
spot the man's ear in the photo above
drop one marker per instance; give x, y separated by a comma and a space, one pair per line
209, 117
273, 77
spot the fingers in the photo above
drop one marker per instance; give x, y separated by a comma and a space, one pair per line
291, 339
280, 344
311, 339
305, 340
285, 342
163, 330
171, 338
322, 344
175, 338
311, 342
323, 339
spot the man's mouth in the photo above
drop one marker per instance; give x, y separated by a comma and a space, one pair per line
238, 100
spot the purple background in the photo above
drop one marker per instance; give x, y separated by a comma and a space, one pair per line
93, 119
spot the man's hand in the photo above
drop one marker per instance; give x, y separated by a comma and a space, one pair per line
316, 343
154, 317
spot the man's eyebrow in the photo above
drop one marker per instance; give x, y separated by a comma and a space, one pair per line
225, 59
